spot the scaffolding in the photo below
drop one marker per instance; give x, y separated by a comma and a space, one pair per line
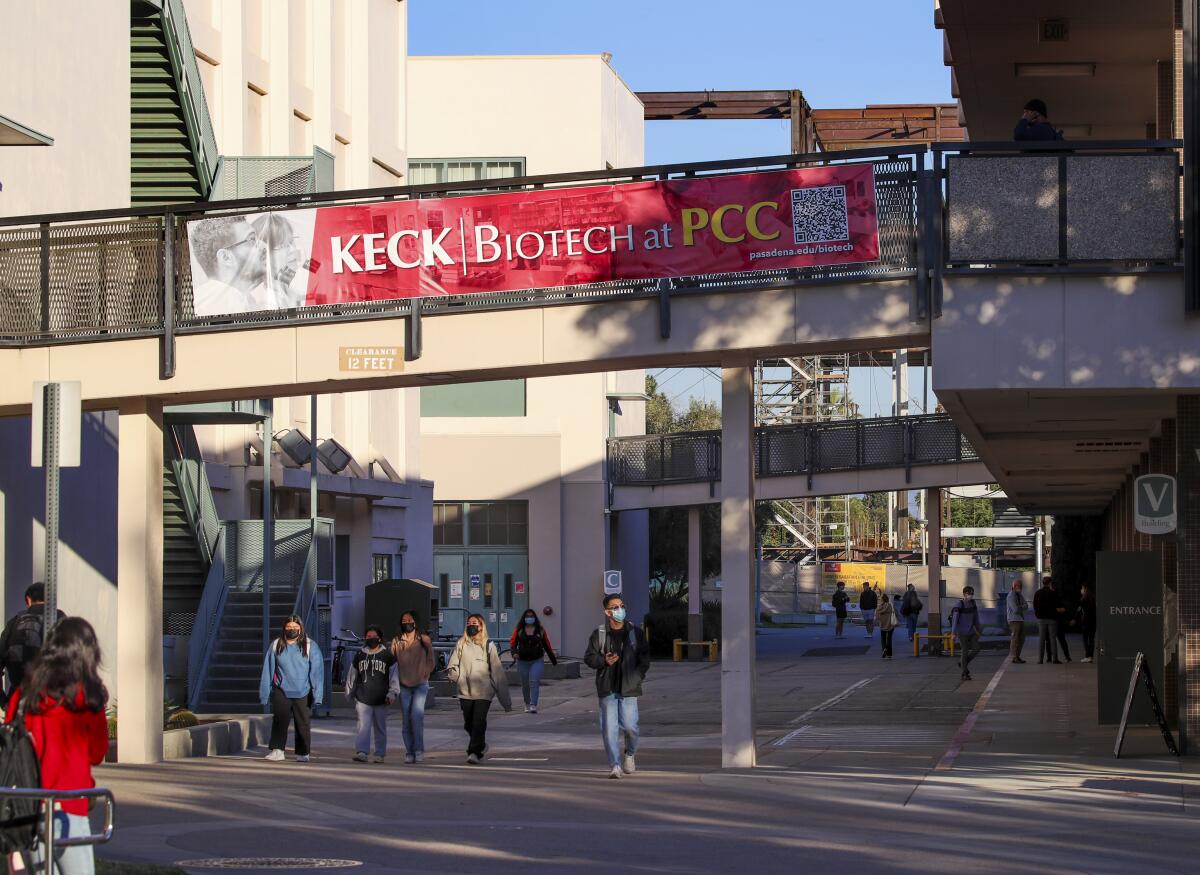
799, 390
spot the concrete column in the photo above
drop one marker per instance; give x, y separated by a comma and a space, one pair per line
140, 582
933, 505
737, 567
1187, 576
695, 577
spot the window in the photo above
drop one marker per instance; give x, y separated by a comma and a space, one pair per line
494, 398
498, 523
448, 523
444, 587
428, 171
508, 590
341, 569
487, 591
381, 567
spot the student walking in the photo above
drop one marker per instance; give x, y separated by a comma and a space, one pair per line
475, 667
372, 684
1047, 605
840, 599
414, 664
910, 609
293, 680
1087, 621
964, 621
531, 644
868, 601
23, 634
1016, 606
62, 702
886, 617
617, 651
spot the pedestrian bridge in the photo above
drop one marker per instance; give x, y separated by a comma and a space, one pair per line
796, 461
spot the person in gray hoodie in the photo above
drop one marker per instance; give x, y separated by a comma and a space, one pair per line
372, 684
476, 668
1015, 606
964, 621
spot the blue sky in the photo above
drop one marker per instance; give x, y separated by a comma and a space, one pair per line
849, 53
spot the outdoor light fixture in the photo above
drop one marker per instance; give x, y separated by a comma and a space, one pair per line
333, 455
293, 444
1040, 70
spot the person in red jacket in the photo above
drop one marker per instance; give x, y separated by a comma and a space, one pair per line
63, 701
531, 645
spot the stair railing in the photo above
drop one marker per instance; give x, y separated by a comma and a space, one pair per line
195, 490
191, 92
207, 624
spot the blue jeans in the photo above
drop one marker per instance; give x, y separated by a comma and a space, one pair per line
77, 860
412, 710
911, 619
619, 716
531, 671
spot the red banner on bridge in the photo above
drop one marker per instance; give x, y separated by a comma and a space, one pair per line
534, 239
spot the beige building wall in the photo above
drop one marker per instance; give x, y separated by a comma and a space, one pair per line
81, 101
282, 76
559, 113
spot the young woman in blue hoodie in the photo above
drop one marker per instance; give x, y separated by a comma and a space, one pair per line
293, 680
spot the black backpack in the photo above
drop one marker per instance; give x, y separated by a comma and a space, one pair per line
530, 646
24, 643
19, 818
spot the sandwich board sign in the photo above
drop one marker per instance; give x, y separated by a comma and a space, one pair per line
612, 582
1154, 504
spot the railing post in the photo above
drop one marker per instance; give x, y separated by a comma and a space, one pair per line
908, 452
45, 275
664, 308
412, 346
167, 357
811, 439
923, 242
662, 457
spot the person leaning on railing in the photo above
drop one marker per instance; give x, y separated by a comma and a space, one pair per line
1034, 125
62, 702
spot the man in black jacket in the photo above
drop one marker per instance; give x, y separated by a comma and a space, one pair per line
840, 600
23, 635
618, 652
1047, 605
867, 603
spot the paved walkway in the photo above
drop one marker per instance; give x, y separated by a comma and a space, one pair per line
864, 766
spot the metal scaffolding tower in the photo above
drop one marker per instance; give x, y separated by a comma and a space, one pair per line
792, 391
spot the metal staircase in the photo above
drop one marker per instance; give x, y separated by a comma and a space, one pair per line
173, 150
184, 565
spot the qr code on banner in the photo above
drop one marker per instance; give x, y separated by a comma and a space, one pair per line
819, 214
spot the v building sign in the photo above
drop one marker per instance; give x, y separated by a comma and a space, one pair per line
1154, 504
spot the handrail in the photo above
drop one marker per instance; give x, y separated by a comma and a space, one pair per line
46, 798
207, 624
192, 477
191, 93
793, 450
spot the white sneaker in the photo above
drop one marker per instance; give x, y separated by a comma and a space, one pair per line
419, 756
473, 759
616, 772
533, 709
627, 764
378, 758
1086, 659
275, 756
303, 758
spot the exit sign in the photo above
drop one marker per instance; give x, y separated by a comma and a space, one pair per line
1054, 30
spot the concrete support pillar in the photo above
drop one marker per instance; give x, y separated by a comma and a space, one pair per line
737, 567
1187, 576
140, 582
933, 505
695, 577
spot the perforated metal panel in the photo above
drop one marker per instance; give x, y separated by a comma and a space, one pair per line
253, 176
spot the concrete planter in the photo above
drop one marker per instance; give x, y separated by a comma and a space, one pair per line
217, 739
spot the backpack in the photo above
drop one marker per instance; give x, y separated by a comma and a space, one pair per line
24, 643
19, 818
530, 647
602, 640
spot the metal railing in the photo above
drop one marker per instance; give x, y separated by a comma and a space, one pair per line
206, 625
47, 800
194, 489
191, 92
792, 450
114, 274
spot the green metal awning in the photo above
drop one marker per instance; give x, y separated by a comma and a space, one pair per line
13, 133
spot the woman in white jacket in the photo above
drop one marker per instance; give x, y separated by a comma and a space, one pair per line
475, 667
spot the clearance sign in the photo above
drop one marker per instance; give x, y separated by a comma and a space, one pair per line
534, 239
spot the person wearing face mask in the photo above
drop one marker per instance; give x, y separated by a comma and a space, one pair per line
475, 667
372, 684
620, 656
964, 621
293, 680
531, 644
414, 663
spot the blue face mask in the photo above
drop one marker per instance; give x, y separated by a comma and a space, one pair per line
529, 621
618, 614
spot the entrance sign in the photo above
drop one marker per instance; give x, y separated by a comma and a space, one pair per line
854, 575
1154, 504
545, 238
1129, 621
612, 583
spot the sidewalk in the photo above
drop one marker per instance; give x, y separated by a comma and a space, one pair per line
848, 781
